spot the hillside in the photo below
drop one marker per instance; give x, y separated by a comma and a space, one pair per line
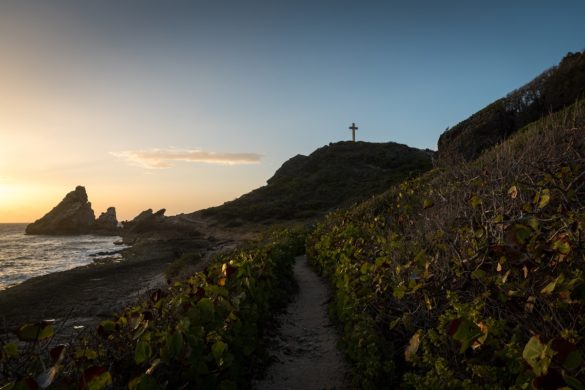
337, 175
552, 90
470, 276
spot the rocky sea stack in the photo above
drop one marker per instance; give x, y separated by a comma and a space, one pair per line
74, 215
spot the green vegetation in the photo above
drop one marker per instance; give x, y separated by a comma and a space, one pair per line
471, 277
306, 187
199, 333
551, 91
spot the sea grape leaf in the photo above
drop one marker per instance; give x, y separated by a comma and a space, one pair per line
464, 331
217, 349
96, 378
562, 246
106, 328
427, 203
412, 347
175, 344
575, 383
513, 192
475, 201
549, 288
142, 352
538, 355
34, 332
523, 233
206, 309
399, 291
573, 360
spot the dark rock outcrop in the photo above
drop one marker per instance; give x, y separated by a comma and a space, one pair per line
107, 223
156, 227
73, 215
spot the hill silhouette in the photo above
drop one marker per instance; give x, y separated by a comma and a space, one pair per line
332, 176
551, 91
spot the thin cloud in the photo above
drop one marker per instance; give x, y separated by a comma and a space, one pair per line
164, 158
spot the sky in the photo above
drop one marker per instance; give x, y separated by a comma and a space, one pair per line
187, 104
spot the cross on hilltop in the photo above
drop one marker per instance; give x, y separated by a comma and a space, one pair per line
353, 128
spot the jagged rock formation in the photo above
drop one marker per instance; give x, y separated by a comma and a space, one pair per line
156, 227
554, 89
107, 223
73, 215
333, 176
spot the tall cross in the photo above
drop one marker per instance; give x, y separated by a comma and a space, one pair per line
353, 128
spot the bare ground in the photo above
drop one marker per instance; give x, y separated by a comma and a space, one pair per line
304, 349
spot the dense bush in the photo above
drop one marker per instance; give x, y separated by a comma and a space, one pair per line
471, 277
198, 333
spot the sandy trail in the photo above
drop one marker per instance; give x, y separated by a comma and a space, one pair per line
305, 347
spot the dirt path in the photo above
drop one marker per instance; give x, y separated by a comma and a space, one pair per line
305, 347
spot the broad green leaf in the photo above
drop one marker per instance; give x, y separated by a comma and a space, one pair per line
478, 274
538, 355
206, 308
399, 291
364, 268
175, 344
562, 246
466, 332
97, 378
142, 352
575, 383
573, 360
33, 332
549, 288
475, 201
523, 233
427, 203
217, 349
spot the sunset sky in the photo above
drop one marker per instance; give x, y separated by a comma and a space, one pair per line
187, 104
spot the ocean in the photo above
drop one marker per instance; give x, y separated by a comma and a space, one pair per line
23, 257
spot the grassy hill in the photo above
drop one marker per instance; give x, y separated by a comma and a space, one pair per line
471, 276
333, 176
551, 91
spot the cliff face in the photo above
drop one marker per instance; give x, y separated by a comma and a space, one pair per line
73, 215
551, 91
333, 176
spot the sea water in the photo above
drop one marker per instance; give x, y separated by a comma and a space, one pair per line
25, 256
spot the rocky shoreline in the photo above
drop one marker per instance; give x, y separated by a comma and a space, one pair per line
85, 296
